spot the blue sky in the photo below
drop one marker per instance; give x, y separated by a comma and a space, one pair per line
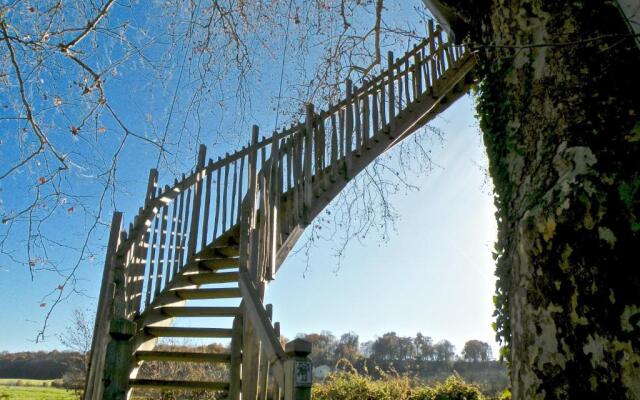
433, 275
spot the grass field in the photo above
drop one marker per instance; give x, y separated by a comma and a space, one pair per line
32, 389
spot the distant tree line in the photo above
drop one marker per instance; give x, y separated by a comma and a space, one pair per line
390, 348
38, 365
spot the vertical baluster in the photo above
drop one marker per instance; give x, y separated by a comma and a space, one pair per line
334, 146
297, 174
392, 96
290, 206
280, 207
349, 130
152, 260
319, 152
424, 65
418, 77
407, 69
163, 236
248, 239
446, 45
358, 124
171, 246
178, 231
207, 204
274, 196
151, 192
183, 257
288, 149
225, 196
234, 188
365, 117
308, 159
374, 112
323, 176
441, 52
120, 279
172, 239
281, 166
240, 181
432, 52
399, 74
383, 104
197, 198
129, 259
341, 133
216, 218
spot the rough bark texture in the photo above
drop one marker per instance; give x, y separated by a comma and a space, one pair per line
561, 127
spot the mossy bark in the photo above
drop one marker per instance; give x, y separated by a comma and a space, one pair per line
561, 125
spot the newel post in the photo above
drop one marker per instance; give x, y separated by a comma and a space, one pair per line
197, 198
121, 330
298, 371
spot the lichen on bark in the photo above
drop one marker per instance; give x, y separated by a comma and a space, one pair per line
558, 106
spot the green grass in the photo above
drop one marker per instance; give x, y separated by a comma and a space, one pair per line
32, 389
27, 382
35, 393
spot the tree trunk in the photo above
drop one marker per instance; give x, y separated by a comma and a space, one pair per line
560, 121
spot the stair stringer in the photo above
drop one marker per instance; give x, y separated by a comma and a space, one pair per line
451, 87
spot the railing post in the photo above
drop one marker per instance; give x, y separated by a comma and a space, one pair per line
197, 197
151, 185
121, 330
247, 220
298, 370
236, 358
93, 381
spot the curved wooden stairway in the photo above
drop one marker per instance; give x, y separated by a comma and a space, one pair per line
220, 234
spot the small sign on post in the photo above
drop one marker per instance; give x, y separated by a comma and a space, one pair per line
303, 375
298, 370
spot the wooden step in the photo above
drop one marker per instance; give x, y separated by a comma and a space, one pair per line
200, 311
218, 252
204, 278
187, 385
183, 356
217, 264
205, 294
162, 331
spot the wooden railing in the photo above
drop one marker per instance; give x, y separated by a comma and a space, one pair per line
267, 190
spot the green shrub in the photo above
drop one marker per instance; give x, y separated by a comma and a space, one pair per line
349, 385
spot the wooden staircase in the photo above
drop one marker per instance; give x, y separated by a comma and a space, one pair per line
203, 249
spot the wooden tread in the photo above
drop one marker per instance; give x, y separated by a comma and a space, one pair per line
217, 264
200, 311
162, 331
204, 294
187, 385
183, 356
219, 252
204, 278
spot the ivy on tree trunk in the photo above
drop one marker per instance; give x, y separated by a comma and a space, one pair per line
559, 105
